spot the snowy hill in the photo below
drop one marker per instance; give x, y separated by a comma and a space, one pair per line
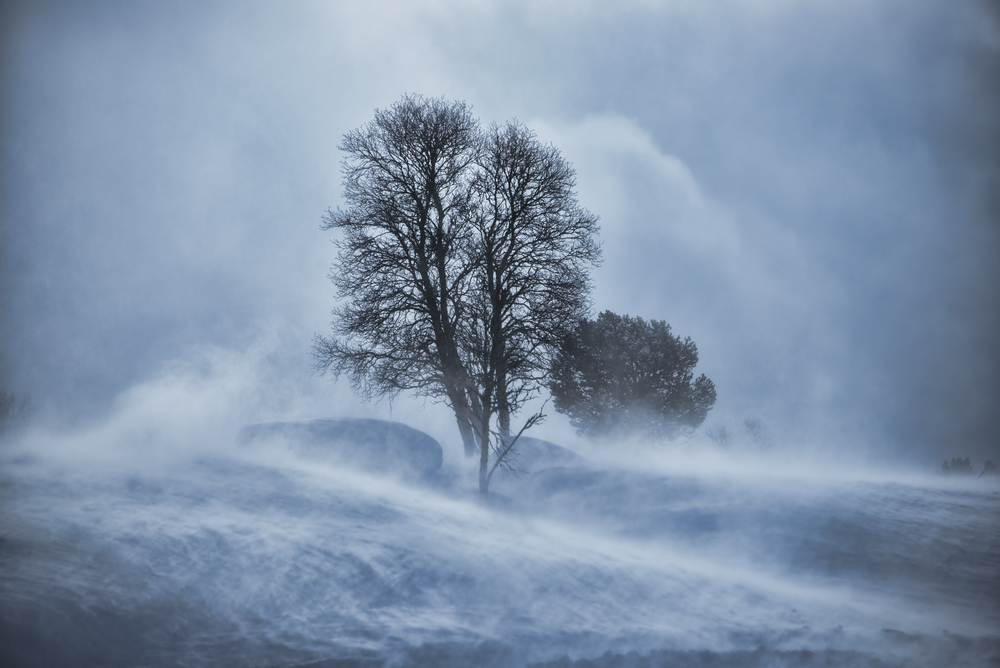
379, 446
257, 557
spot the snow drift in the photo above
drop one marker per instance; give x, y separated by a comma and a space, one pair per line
272, 557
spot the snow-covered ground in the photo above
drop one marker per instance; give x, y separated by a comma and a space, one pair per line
251, 557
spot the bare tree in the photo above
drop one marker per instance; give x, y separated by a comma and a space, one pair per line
535, 245
759, 434
720, 434
463, 261
403, 269
13, 412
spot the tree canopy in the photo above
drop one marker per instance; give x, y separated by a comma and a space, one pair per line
620, 375
462, 264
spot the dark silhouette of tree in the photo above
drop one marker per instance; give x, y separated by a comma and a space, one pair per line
461, 265
534, 246
403, 269
758, 432
620, 375
957, 465
720, 435
13, 412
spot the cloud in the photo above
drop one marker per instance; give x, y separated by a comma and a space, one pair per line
783, 182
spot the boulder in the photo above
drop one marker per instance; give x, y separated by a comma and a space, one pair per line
534, 454
379, 446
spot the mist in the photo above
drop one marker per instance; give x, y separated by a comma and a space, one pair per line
808, 191
152, 539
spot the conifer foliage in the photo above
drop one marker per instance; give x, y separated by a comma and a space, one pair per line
622, 376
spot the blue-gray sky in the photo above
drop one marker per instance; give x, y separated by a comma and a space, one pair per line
807, 189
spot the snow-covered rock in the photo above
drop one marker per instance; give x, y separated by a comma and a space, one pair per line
224, 559
534, 454
379, 446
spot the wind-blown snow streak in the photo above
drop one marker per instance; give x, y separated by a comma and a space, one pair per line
257, 558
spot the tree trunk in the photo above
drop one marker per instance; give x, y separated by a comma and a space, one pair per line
484, 481
468, 436
503, 409
465, 420
455, 380
482, 415
503, 405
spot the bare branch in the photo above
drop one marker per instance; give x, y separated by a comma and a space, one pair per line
501, 455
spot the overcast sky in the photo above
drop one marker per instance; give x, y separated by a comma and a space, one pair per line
807, 189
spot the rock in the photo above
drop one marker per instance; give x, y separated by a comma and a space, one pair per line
379, 446
534, 454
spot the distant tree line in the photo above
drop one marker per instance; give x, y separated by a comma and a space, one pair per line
961, 466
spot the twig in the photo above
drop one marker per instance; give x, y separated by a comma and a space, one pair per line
530, 422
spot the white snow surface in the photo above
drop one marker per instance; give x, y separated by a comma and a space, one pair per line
252, 558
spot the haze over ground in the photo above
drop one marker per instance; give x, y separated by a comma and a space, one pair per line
808, 190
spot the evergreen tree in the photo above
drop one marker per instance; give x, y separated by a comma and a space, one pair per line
619, 376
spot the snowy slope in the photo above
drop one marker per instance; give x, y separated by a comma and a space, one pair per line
250, 558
